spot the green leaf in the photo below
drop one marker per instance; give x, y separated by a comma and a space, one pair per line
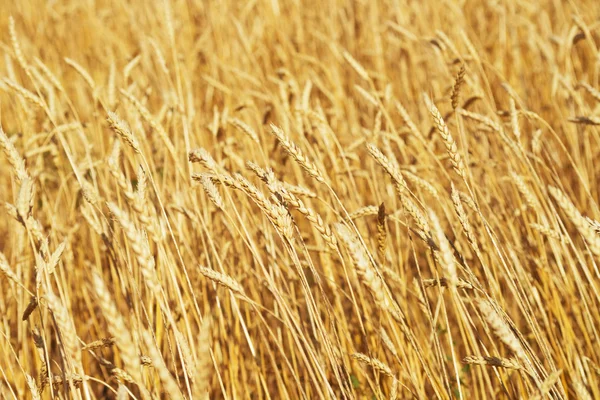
355, 382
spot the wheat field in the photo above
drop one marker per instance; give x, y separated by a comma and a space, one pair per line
285, 199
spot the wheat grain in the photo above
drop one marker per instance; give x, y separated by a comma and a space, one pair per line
55, 258
377, 123
154, 124
493, 362
33, 388
585, 120
463, 218
372, 100
158, 362
355, 65
14, 158
121, 128
66, 328
378, 365
364, 212
481, 118
203, 377
577, 219
297, 154
140, 196
514, 119
546, 230
59, 380
592, 91
394, 389
594, 224
81, 71
26, 94
118, 328
24, 202
278, 215
130, 66
211, 191
448, 264
288, 296
502, 329
530, 198
415, 212
101, 343
458, 81
7, 270
422, 183
221, 279
410, 124
381, 232
298, 190
15, 43
547, 385
366, 272
33, 303
388, 167
451, 147
139, 246
203, 157
387, 341
460, 283
309, 213
49, 76
244, 128
581, 390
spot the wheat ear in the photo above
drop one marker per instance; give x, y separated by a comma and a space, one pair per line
451, 147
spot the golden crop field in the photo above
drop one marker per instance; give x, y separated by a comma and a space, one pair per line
286, 199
